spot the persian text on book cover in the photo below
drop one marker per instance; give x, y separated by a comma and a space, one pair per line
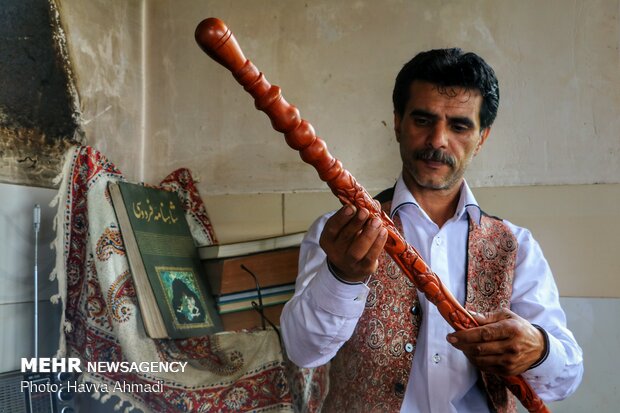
170, 259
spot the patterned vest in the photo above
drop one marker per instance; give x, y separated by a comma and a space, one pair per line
370, 372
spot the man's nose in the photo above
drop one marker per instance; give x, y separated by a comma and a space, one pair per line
438, 136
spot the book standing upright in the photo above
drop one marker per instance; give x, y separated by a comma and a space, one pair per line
174, 299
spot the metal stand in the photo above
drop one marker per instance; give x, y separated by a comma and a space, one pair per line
37, 225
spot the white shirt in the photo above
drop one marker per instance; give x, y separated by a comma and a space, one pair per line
324, 311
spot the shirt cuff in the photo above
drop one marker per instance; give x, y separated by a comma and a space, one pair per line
546, 347
332, 269
338, 297
553, 361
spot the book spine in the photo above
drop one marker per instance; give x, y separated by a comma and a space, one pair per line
250, 319
271, 268
250, 294
241, 305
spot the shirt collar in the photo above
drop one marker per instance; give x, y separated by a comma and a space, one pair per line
467, 201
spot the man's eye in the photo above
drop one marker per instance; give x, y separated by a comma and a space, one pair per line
421, 121
460, 127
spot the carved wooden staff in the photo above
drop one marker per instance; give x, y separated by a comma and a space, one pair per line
218, 42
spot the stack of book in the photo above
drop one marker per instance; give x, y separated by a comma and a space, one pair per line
245, 275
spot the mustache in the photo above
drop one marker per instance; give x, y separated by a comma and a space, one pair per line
435, 155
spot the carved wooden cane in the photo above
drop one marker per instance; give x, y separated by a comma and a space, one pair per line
219, 43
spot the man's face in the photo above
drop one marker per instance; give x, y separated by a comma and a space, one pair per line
439, 134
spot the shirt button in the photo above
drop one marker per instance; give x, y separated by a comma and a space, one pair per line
437, 241
399, 389
436, 358
408, 347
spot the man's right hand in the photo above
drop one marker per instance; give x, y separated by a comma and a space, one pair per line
353, 243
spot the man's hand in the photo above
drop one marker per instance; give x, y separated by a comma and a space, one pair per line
353, 243
503, 344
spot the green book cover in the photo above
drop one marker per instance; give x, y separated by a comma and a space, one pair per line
162, 256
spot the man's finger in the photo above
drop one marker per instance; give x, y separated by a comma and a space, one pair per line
495, 364
483, 334
352, 229
482, 349
377, 247
492, 317
336, 222
364, 242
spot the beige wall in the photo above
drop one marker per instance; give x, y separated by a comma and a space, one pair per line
576, 226
153, 102
105, 42
336, 60
557, 62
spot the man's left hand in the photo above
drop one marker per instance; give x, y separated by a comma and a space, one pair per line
503, 344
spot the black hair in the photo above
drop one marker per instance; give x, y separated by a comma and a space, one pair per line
450, 67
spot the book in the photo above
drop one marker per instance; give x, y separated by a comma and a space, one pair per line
241, 301
231, 275
174, 299
250, 319
253, 294
250, 247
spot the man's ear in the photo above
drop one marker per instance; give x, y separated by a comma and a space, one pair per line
484, 134
397, 126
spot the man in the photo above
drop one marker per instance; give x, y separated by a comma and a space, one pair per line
390, 350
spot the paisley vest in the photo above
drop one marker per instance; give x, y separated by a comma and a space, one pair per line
370, 372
